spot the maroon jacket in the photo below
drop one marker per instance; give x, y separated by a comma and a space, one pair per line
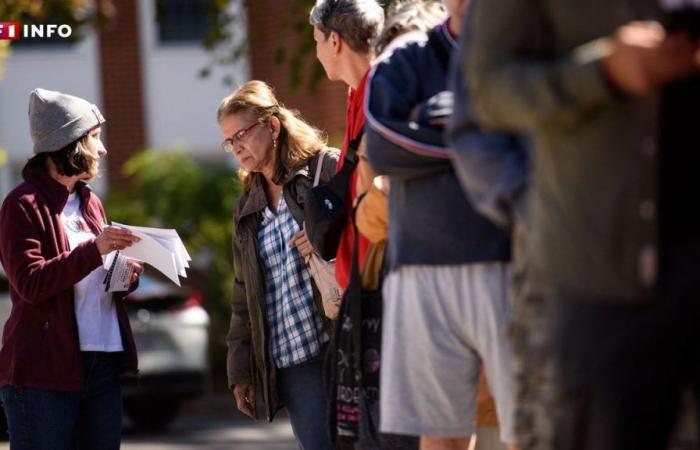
40, 346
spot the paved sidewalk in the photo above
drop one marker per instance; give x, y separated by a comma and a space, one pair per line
211, 423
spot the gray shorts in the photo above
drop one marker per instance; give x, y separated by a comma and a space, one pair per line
440, 324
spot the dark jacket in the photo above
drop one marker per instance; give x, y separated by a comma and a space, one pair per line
492, 166
40, 347
431, 222
249, 359
535, 66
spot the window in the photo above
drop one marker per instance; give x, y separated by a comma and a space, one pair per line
183, 20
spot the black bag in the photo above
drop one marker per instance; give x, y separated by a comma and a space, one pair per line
353, 363
326, 206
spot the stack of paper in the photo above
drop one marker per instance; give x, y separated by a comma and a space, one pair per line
161, 248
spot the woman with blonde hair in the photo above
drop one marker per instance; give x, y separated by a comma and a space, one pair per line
278, 333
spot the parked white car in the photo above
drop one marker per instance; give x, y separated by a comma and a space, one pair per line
171, 330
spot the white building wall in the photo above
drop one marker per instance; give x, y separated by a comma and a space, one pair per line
181, 106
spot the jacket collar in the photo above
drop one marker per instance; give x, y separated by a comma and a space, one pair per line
303, 170
447, 35
56, 193
256, 200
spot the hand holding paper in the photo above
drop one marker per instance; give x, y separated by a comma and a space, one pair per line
114, 238
161, 248
119, 273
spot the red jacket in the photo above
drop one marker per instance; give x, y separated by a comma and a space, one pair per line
355, 122
40, 346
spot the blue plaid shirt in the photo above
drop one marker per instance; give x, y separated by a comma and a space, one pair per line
296, 328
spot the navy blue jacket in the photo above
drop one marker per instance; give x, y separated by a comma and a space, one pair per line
431, 222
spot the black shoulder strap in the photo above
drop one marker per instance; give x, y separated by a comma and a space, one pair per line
355, 143
438, 43
353, 146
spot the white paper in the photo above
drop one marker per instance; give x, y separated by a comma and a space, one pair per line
180, 261
161, 248
119, 273
168, 233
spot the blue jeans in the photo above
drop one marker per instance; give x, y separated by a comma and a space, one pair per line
303, 392
90, 419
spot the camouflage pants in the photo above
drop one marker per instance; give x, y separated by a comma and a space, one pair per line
539, 379
534, 369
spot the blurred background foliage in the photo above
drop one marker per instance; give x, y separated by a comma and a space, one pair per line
171, 190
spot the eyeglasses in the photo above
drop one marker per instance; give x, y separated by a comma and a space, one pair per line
237, 137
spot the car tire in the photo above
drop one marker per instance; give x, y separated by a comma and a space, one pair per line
152, 414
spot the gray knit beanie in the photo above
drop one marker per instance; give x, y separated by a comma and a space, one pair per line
57, 119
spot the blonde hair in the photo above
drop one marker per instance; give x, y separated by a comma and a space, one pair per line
298, 141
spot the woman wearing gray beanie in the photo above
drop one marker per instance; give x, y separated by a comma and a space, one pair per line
67, 340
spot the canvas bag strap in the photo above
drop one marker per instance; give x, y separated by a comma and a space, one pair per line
319, 167
317, 174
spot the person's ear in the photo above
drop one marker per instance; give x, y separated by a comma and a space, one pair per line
336, 42
275, 127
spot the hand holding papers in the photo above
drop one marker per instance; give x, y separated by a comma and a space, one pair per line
118, 278
161, 248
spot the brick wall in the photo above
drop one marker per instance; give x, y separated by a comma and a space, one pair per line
122, 87
271, 23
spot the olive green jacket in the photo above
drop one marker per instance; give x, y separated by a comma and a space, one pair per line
534, 66
249, 358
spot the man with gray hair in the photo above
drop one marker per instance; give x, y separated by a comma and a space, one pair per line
344, 31
356, 22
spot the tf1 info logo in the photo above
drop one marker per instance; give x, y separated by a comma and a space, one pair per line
13, 31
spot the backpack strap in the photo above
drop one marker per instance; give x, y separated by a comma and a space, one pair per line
353, 146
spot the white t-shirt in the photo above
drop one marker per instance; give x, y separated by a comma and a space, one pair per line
95, 311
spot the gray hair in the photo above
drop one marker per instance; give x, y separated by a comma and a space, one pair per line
409, 15
358, 22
